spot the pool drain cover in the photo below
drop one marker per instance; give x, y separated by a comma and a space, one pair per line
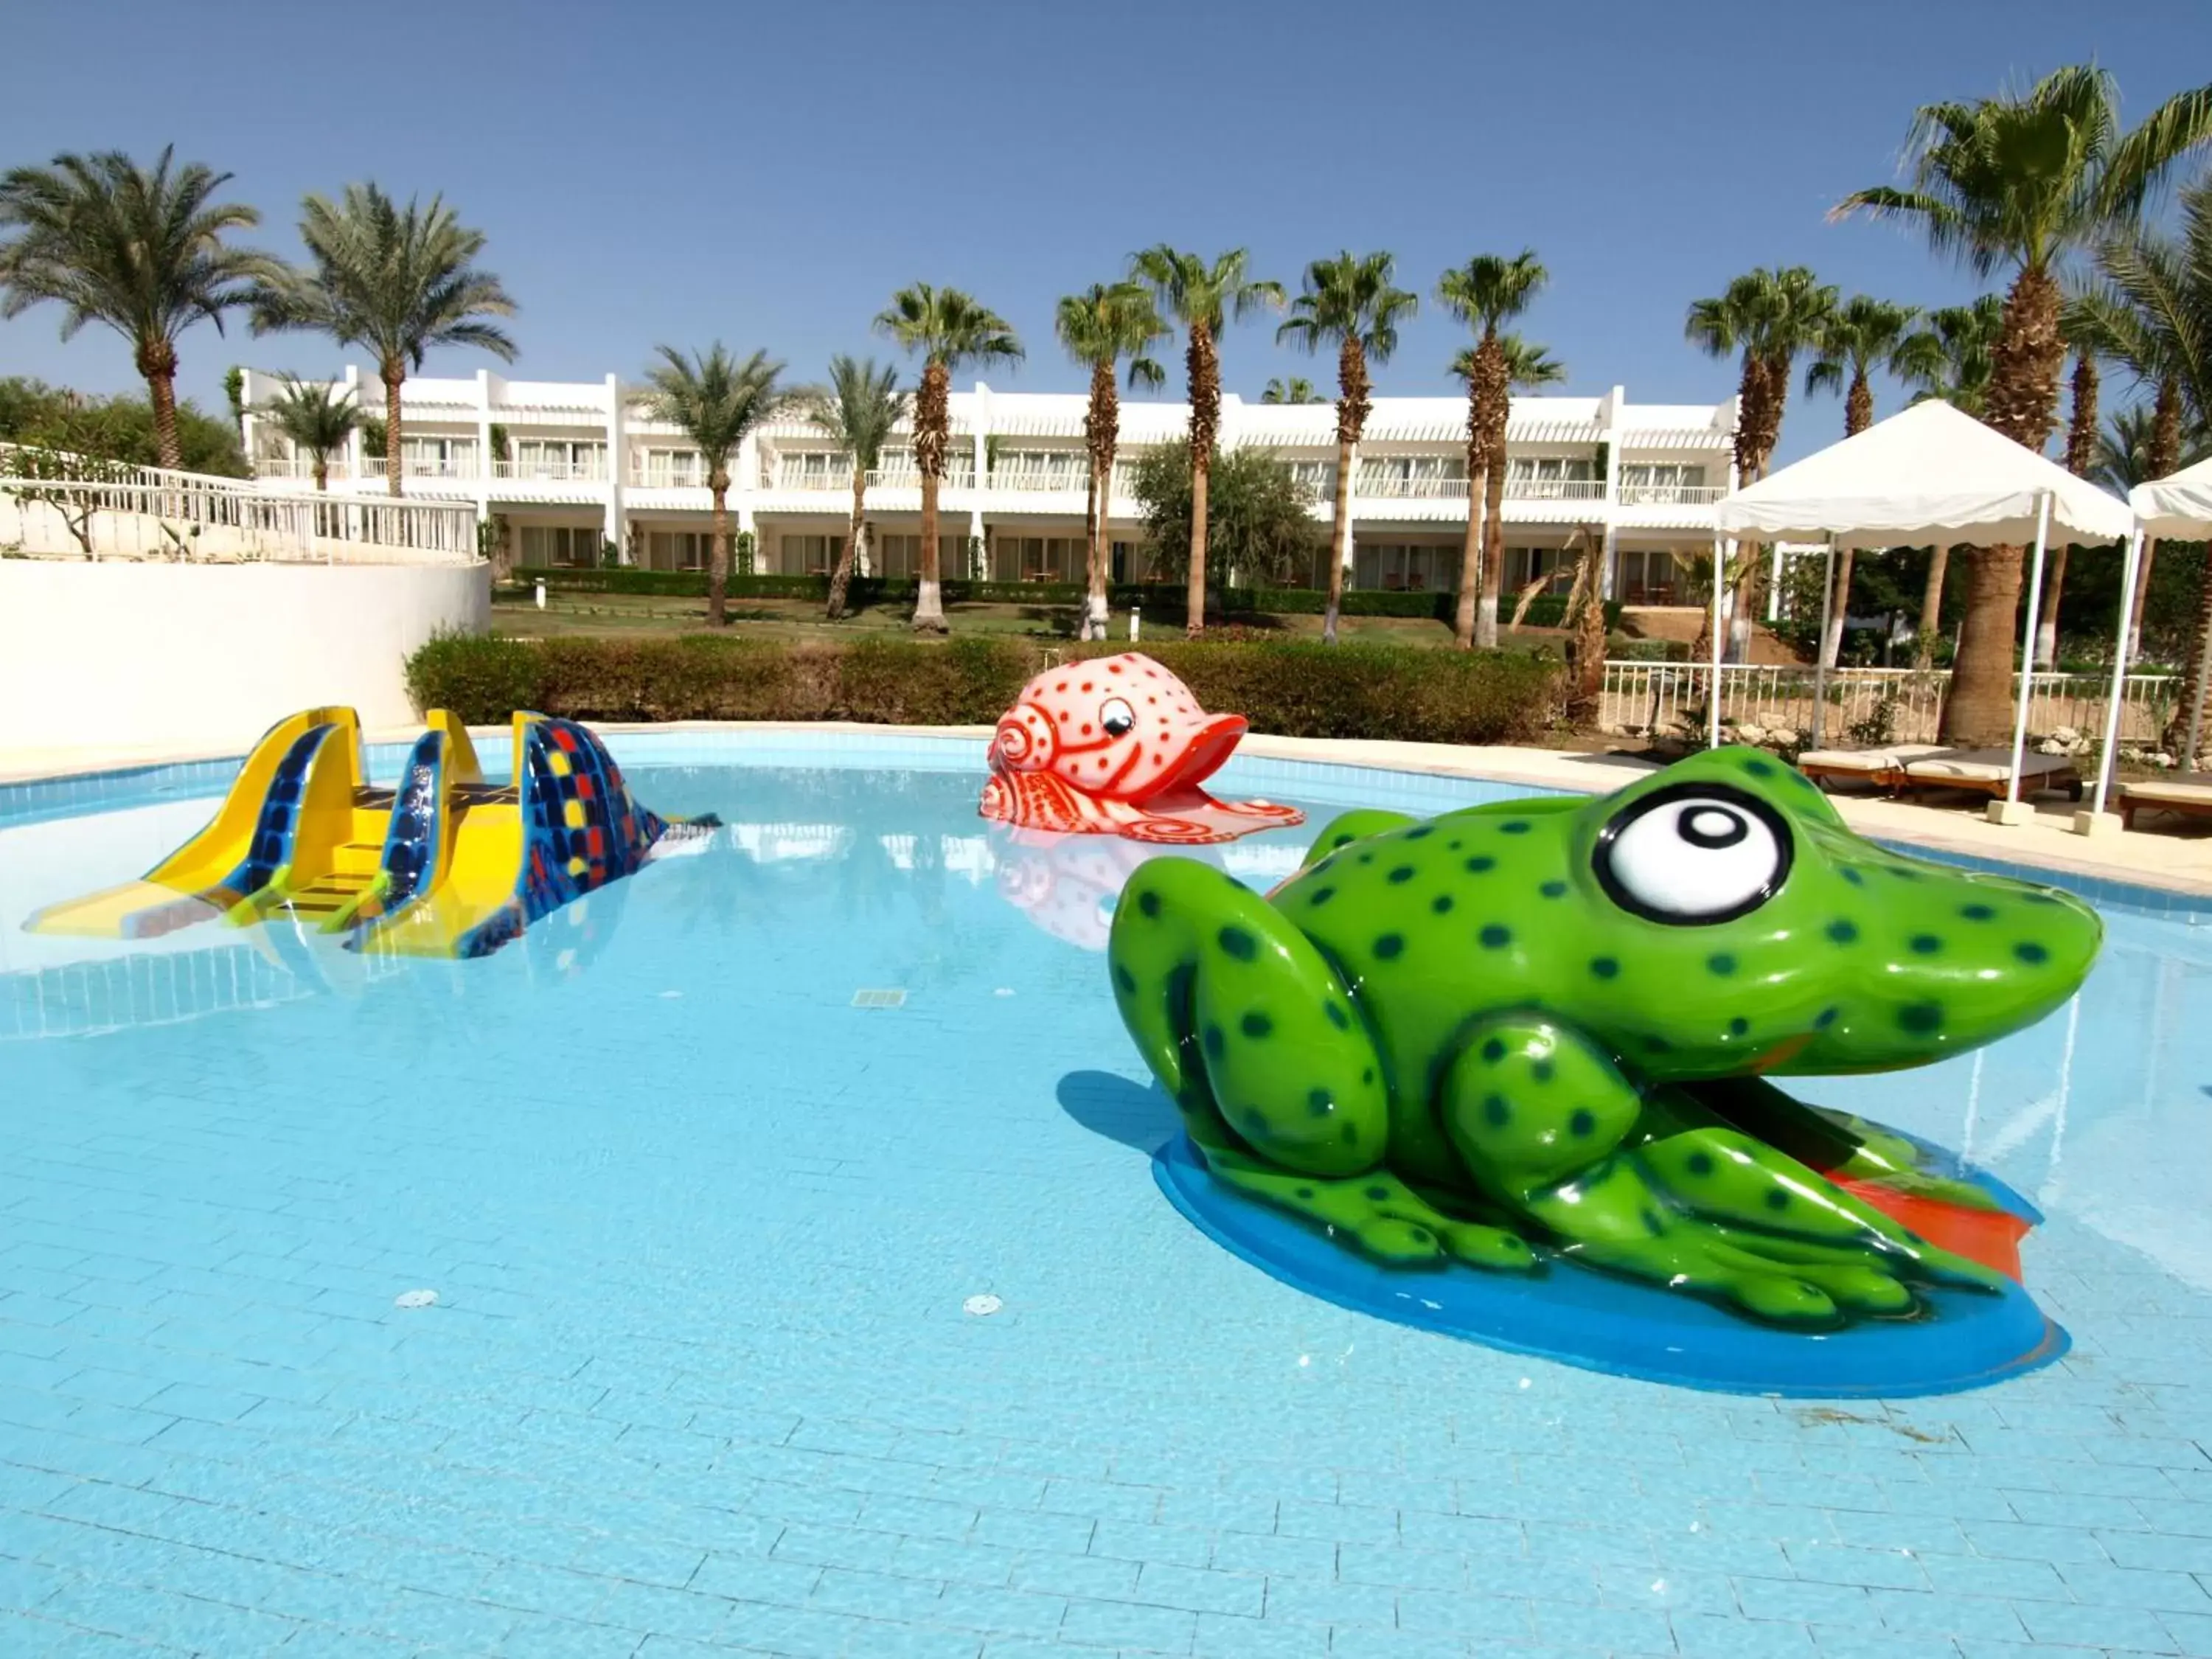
879, 999
981, 1306
416, 1299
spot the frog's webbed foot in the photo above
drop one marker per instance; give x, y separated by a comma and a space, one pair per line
1547, 1123
1378, 1214
1848, 1146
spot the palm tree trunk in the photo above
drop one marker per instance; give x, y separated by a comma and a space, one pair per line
2175, 739
394, 376
2046, 625
1931, 609
2141, 594
1093, 591
1471, 589
1979, 712
1744, 610
1493, 547
1203, 367
161, 388
1340, 539
1102, 560
929, 597
842, 576
322, 473
1839, 605
1195, 594
718, 562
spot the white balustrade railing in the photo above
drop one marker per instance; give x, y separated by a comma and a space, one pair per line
1864, 705
1027, 480
116, 513
907, 477
1554, 490
1652, 494
790, 477
553, 471
1401, 489
270, 466
422, 467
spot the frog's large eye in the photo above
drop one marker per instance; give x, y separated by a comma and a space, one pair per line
1117, 717
1693, 853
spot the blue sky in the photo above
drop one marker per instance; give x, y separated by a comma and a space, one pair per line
768, 173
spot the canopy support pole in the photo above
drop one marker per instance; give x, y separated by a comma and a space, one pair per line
2130, 566
2009, 813
1820, 651
1720, 585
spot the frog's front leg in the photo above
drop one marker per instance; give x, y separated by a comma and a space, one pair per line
1256, 1040
1549, 1124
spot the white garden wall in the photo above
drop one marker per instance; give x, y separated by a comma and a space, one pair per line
104, 655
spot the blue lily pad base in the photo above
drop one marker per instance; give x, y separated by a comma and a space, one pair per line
1968, 1339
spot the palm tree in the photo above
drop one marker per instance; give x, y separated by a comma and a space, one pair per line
2149, 309
1296, 390
1347, 299
1949, 356
142, 251
318, 418
1860, 336
715, 401
948, 329
1528, 366
1203, 297
394, 280
1770, 317
2018, 182
2123, 455
858, 410
1486, 292
1101, 326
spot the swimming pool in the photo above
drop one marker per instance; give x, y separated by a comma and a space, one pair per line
702, 1176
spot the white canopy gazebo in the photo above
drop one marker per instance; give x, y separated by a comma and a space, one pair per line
2178, 507
1933, 475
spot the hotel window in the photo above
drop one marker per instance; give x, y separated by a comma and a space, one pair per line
1039, 559
1319, 477
1405, 567
1410, 475
814, 469
1652, 576
1659, 481
1044, 468
1524, 564
679, 549
808, 556
437, 457
558, 458
561, 544
1548, 477
671, 468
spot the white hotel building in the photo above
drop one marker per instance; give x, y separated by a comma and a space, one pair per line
561, 469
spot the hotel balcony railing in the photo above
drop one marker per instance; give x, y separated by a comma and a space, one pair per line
424, 466
552, 471
897, 478
647, 476
1554, 490
1397, 489
299, 467
1643, 495
1039, 479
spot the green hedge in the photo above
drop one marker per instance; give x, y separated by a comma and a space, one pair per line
1156, 599
1298, 689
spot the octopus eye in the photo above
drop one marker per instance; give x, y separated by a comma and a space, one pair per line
1693, 854
1116, 717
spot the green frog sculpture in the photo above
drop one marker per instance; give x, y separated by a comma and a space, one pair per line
1543, 1029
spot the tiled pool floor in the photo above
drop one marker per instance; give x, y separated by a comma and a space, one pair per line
699, 1378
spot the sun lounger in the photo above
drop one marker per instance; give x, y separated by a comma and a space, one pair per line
1988, 771
2191, 795
1883, 767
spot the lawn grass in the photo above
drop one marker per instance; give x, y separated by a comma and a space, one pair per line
610, 616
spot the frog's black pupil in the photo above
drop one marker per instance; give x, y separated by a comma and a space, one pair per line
1711, 827
1116, 718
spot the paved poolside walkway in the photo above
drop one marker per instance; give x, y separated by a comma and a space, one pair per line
2167, 855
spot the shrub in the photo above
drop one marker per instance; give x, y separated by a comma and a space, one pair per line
1296, 688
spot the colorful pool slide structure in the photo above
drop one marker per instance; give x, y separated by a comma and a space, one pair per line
445, 864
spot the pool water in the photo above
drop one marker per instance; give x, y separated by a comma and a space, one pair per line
701, 1174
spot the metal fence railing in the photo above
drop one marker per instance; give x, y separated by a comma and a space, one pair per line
1865, 705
